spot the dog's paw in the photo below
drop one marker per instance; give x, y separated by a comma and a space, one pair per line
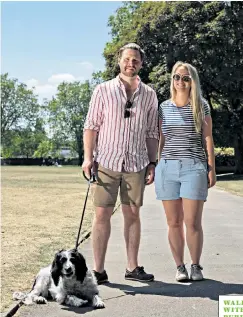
40, 300
97, 302
75, 301
60, 299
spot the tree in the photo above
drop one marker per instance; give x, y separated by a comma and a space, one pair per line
23, 142
19, 105
68, 112
205, 34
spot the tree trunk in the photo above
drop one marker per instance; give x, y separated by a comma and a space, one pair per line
238, 146
79, 138
80, 158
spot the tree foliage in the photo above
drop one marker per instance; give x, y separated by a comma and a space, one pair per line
19, 105
205, 34
67, 113
23, 142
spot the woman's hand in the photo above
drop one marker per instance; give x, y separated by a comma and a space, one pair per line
212, 178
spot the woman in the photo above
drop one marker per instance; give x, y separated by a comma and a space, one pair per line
186, 166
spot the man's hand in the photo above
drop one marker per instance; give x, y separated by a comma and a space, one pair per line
149, 177
87, 166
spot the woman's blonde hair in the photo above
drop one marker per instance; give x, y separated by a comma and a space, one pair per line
195, 93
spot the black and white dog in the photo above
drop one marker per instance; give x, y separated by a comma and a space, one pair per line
68, 281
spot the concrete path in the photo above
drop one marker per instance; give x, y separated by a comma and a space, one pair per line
222, 261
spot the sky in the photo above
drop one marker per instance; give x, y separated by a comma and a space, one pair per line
45, 43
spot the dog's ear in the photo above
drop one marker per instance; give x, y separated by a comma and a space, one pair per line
56, 268
80, 266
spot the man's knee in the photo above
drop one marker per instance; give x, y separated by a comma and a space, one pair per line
131, 213
103, 215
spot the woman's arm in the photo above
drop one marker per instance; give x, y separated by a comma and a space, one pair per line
209, 148
161, 140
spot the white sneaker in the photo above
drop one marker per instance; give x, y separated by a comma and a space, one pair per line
196, 272
181, 273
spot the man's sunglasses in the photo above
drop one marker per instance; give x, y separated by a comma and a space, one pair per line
127, 112
185, 78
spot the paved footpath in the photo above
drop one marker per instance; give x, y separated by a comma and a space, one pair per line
222, 261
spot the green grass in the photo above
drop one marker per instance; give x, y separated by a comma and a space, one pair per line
231, 183
41, 211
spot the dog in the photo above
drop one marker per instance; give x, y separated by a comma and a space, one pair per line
67, 280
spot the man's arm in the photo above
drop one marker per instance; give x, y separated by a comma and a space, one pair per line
152, 148
89, 140
91, 127
152, 139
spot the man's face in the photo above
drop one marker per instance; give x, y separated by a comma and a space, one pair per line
130, 62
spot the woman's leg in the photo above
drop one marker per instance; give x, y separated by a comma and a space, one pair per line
194, 233
174, 215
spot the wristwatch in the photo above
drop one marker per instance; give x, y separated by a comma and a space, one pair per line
153, 163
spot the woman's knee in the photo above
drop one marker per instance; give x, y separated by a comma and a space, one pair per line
175, 223
193, 225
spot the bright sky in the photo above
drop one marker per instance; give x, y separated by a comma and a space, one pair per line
44, 43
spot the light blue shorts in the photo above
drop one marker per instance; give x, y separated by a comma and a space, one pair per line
186, 178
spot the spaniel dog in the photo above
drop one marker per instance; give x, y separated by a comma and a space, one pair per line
68, 281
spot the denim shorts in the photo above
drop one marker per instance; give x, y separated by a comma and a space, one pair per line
186, 178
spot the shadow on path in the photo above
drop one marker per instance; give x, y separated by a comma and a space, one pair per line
205, 289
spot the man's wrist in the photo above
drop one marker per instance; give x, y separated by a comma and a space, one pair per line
153, 163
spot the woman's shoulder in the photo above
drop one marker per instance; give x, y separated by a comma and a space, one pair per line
205, 106
165, 103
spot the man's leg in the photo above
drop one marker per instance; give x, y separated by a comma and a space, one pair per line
132, 229
100, 236
105, 196
132, 190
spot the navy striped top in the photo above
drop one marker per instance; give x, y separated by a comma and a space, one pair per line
181, 139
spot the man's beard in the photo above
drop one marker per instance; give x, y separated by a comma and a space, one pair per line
130, 74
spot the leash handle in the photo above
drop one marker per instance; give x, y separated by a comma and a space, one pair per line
92, 178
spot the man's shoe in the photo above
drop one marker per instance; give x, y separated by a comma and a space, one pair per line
181, 273
138, 274
196, 272
101, 277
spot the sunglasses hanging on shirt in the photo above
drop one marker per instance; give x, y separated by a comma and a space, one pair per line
127, 112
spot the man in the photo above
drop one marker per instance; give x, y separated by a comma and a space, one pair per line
124, 112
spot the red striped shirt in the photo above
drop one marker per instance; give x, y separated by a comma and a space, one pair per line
122, 141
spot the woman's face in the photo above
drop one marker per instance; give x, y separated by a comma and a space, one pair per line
182, 80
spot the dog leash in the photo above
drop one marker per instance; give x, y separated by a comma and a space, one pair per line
14, 310
90, 180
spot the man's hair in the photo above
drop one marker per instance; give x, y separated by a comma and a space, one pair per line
132, 46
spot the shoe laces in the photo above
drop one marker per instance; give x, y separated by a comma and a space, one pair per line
197, 267
181, 268
140, 269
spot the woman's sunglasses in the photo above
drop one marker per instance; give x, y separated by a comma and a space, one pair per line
127, 112
185, 78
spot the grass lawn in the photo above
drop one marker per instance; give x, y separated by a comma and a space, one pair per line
41, 211
231, 183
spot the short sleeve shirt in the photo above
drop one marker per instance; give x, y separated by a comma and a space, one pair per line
181, 139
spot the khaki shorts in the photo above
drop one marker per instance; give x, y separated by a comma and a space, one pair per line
131, 186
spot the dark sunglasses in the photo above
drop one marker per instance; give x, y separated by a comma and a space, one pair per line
128, 105
185, 78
